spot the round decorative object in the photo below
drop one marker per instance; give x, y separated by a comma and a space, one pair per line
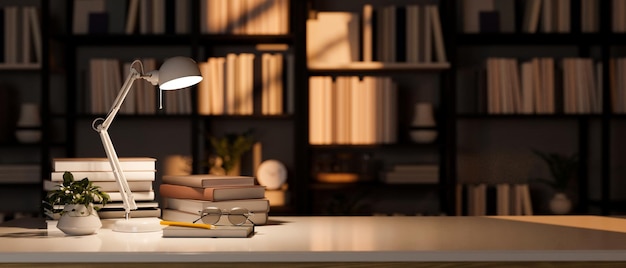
79, 220
272, 174
560, 204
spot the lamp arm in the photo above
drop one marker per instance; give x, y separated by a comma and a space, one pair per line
127, 196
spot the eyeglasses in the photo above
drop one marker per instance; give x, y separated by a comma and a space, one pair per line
236, 215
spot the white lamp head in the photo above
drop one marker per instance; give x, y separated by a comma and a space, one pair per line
177, 73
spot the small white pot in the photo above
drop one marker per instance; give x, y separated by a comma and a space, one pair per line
79, 220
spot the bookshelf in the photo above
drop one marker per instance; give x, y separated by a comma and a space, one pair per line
464, 130
23, 76
347, 175
184, 34
592, 134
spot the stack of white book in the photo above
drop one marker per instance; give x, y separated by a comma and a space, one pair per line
185, 196
139, 172
412, 173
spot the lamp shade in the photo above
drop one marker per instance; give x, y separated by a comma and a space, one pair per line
178, 72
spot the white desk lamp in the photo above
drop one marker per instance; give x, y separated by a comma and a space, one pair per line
175, 73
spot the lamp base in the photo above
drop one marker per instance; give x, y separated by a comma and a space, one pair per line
137, 225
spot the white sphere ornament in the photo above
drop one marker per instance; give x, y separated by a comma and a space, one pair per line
272, 174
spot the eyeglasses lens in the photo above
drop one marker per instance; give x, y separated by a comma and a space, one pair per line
238, 216
211, 215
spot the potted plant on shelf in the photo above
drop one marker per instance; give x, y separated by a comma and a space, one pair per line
72, 203
229, 150
563, 169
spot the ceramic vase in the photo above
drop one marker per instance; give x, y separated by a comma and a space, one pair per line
79, 220
560, 204
29, 120
423, 124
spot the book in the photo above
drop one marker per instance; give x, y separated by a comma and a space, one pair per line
140, 205
212, 193
106, 186
217, 231
471, 11
333, 37
168, 214
139, 196
82, 9
105, 175
107, 213
193, 206
102, 164
208, 180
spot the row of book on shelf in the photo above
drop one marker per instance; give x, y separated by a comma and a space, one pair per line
250, 17
387, 34
530, 87
20, 39
352, 110
229, 84
105, 81
174, 17
503, 199
129, 17
546, 16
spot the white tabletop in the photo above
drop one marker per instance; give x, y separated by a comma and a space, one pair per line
341, 239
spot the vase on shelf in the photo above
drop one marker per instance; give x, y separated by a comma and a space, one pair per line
423, 127
29, 124
560, 204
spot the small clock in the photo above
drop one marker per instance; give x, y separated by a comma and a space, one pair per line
271, 174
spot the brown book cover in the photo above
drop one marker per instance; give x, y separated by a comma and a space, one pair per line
208, 180
212, 194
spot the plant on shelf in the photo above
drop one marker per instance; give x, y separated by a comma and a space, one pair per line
563, 169
229, 150
72, 192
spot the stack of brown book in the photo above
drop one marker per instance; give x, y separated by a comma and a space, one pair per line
139, 172
185, 196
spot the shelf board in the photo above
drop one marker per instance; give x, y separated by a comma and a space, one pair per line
539, 39
376, 66
526, 116
374, 185
125, 40
248, 117
232, 39
27, 184
409, 145
15, 144
20, 66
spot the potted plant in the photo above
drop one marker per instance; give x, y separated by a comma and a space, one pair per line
563, 169
229, 150
73, 204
